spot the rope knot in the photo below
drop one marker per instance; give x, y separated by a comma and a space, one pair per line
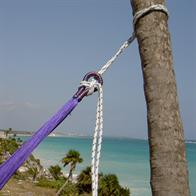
91, 82
92, 86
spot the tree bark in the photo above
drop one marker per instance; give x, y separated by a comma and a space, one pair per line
169, 174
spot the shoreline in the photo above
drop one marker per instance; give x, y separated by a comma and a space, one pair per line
187, 141
60, 134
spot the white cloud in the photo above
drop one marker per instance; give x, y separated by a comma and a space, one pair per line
11, 106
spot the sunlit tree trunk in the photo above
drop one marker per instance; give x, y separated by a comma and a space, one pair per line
169, 174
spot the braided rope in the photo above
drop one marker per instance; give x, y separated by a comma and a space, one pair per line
98, 132
141, 13
120, 50
97, 141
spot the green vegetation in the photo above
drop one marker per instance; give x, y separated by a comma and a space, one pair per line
31, 168
7, 147
84, 181
70, 189
55, 184
71, 158
7, 132
109, 185
33, 171
56, 172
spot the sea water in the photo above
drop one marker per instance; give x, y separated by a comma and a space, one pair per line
127, 158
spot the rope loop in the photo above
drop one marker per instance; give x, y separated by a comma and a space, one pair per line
92, 86
141, 13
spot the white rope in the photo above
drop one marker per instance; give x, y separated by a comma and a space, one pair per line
97, 138
137, 16
97, 141
141, 13
121, 49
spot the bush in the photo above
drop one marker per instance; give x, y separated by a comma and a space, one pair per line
109, 185
56, 172
84, 181
8, 145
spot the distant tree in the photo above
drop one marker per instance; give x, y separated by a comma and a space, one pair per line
7, 132
71, 159
124, 191
19, 140
109, 185
55, 171
33, 171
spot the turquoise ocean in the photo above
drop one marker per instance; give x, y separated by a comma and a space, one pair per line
127, 158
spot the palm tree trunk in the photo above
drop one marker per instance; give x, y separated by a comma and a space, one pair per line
60, 190
69, 178
169, 174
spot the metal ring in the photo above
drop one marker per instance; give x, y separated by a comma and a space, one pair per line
95, 75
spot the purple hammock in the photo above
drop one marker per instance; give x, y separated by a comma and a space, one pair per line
9, 167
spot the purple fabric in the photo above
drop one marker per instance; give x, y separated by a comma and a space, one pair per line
9, 167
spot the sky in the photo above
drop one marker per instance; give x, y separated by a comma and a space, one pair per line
46, 47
